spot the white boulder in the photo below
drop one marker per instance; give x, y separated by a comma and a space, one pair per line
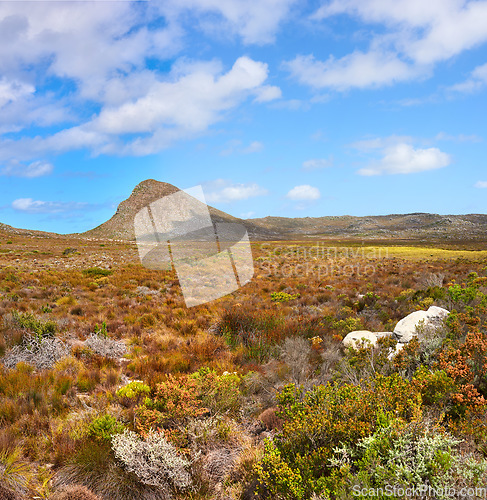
394, 352
353, 339
406, 329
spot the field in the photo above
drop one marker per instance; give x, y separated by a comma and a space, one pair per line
111, 388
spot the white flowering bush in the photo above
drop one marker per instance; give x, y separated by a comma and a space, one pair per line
40, 352
416, 456
154, 460
105, 346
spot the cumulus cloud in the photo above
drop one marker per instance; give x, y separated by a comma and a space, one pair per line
413, 37
117, 104
403, 158
476, 81
255, 21
223, 191
31, 170
317, 163
481, 184
197, 97
359, 69
304, 192
32, 206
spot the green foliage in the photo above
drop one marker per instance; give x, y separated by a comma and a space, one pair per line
96, 272
102, 332
318, 421
29, 322
219, 393
413, 456
104, 427
283, 296
133, 389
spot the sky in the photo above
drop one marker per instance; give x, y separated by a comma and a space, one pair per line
294, 108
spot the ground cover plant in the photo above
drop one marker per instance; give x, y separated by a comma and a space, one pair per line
111, 388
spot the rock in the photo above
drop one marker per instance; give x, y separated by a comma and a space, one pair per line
406, 329
438, 312
354, 338
394, 352
380, 335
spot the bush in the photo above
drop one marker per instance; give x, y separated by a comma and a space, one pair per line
29, 322
96, 272
94, 466
415, 456
75, 492
105, 346
42, 353
296, 463
174, 401
105, 427
15, 473
283, 296
219, 393
153, 460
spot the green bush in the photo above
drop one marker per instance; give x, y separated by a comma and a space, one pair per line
283, 296
297, 463
104, 427
413, 456
96, 272
29, 322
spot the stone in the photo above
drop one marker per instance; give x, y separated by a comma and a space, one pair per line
393, 352
380, 335
354, 338
406, 328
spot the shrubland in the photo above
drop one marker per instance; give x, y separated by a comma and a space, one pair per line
110, 388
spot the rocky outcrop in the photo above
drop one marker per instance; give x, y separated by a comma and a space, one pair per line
405, 330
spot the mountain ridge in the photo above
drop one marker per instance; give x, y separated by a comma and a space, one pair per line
412, 226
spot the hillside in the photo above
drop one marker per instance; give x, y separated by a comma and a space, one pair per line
414, 227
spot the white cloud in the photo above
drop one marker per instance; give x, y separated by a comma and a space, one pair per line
442, 136
35, 169
476, 81
268, 93
13, 90
359, 69
481, 184
255, 21
317, 163
304, 193
253, 147
403, 158
46, 207
417, 35
197, 97
247, 215
223, 191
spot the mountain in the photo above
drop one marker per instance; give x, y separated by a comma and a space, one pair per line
121, 225
414, 227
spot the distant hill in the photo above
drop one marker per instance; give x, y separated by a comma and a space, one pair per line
121, 225
414, 227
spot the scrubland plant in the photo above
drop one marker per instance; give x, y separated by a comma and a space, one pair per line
42, 353
15, 473
417, 456
296, 463
99, 343
74, 492
154, 460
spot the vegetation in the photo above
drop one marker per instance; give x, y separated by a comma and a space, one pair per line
110, 388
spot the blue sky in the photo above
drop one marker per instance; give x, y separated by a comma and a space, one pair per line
276, 107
